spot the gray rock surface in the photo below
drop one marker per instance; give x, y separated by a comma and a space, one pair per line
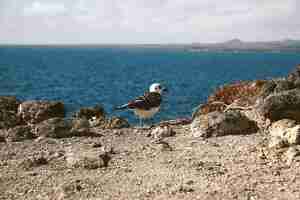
33, 112
8, 119
220, 124
87, 157
88, 113
19, 133
281, 105
286, 131
54, 128
294, 76
9, 103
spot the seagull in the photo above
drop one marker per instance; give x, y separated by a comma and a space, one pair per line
146, 106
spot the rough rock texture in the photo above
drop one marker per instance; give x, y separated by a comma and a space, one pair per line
220, 124
241, 94
87, 157
286, 132
9, 103
229, 167
116, 123
294, 76
54, 128
8, 119
80, 124
19, 133
88, 113
161, 132
33, 112
281, 105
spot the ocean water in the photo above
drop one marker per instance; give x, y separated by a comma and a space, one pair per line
87, 76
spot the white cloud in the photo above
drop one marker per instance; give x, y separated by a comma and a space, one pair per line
145, 21
44, 8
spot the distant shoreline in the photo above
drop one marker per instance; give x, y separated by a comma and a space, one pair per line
231, 46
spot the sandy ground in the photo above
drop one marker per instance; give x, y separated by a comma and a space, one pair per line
177, 167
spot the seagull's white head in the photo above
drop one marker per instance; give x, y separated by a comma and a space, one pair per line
156, 87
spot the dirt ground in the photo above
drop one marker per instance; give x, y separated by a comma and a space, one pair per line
177, 167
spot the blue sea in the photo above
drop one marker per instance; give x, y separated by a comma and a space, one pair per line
110, 76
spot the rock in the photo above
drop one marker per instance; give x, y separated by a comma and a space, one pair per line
33, 112
87, 158
19, 133
294, 76
54, 128
220, 124
116, 123
281, 105
161, 132
275, 86
277, 142
33, 161
80, 123
9, 103
81, 128
96, 112
2, 136
8, 119
291, 153
286, 130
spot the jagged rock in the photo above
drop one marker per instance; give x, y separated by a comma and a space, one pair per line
81, 128
285, 130
275, 86
294, 76
8, 119
96, 112
290, 154
19, 133
277, 142
162, 132
116, 123
33, 112
220, 124
80, 123
54, 128
33, 161
9, 103
87, 158
2, 135
281, 105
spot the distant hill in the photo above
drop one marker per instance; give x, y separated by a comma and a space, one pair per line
239, 45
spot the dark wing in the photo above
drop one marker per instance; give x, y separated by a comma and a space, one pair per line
146, 102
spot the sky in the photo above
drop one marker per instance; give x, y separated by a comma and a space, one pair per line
147, 21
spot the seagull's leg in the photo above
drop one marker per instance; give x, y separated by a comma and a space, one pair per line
141, 122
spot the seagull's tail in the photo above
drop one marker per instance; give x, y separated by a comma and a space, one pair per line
122, 107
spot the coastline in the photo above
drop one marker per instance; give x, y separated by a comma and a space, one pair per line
243, 143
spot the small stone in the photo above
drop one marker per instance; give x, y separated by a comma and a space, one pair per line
162, 132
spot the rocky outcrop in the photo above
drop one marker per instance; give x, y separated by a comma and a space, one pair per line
19, 133
54, 128
220, 124
8, 119
116, 123
284, 132
89, 113
294, 76
33, 112
281, 105
8, 112
9, 103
